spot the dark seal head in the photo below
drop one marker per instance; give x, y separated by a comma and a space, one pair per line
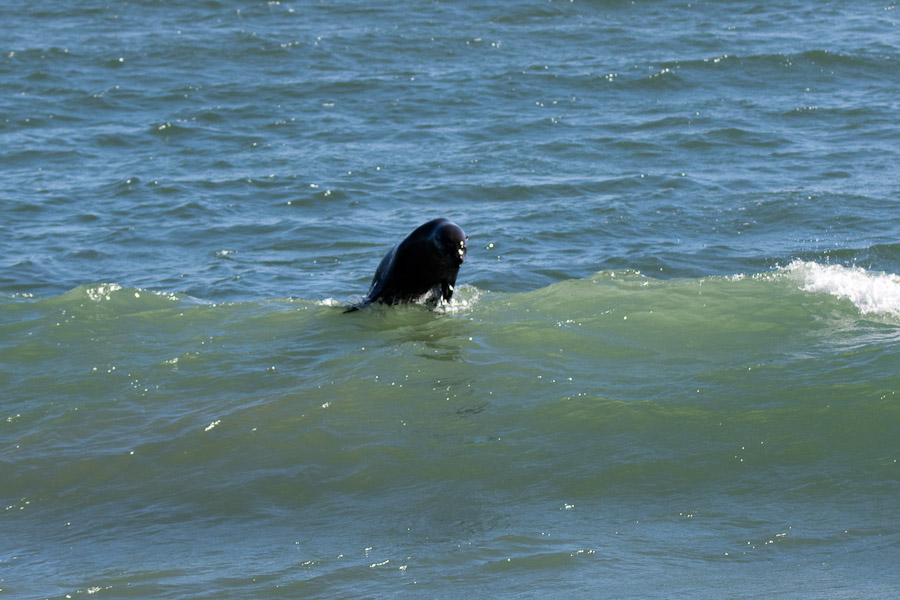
421, 268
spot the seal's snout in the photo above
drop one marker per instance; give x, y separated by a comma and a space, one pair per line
461, 252
451, 242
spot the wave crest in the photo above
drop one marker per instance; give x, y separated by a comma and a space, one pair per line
870, 292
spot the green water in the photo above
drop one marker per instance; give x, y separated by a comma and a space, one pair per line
670, 368
614, 422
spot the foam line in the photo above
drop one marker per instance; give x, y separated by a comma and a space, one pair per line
871, 292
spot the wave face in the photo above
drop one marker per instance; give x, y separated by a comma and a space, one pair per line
670, 368
724, 422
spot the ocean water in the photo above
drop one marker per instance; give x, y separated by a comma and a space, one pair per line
671, 368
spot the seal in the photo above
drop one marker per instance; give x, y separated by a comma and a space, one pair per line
422, 268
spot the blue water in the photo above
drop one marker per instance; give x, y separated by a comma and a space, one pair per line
670, 368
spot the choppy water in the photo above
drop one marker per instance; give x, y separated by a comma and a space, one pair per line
671, 368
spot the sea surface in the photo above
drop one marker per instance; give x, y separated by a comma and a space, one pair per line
671, 368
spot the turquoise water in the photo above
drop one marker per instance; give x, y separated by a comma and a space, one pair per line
670, 368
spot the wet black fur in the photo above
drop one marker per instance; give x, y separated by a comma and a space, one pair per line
421, 268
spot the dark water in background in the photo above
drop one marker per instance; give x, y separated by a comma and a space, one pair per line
671, 368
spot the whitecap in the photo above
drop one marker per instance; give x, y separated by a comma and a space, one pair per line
871, 292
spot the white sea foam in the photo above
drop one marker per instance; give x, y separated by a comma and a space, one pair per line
105, 291
330, 302
871, 292
102, 291
463, 300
